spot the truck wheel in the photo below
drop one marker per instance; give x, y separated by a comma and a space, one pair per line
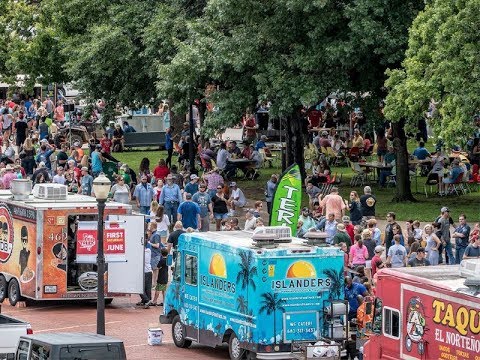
178, 333
3, 288
13, 292
234, 349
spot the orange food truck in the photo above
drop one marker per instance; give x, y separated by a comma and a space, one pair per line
38, 246
427, 313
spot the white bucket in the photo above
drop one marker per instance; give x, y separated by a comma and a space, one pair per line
155, 336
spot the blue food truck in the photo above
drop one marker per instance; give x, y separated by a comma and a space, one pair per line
260, 297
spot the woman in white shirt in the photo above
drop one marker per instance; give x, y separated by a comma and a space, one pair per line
120, 191
163, 222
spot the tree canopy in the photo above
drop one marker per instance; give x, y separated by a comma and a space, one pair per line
441, 65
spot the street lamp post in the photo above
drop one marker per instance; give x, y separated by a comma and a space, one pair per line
101, 188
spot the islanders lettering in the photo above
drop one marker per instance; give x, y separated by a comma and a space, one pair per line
218, 284
304, 284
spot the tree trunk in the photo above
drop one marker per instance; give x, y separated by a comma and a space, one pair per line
295, 140
403, 188
176, 120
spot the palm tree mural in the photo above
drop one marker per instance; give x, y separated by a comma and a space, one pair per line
270, 304
176, 291
242, 305
247, 271
337, 279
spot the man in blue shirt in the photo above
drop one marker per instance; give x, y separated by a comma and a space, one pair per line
352, 293
170, 198
189, 213
144, 194
261, 143
44, 155
420, 152
97, 164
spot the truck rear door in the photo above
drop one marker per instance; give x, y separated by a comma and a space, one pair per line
127, 277
300, 287
10, 331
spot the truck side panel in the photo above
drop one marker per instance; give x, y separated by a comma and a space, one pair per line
17, 246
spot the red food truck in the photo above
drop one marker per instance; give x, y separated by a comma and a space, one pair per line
427, 313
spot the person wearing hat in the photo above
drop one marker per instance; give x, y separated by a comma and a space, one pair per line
144, 195
8, 176
86, 182
341, 236
24, 253
453, 175
306, 219
419, 259
192, 185
445, 222
189, 213
261, 143
349, 227
203, 199
377, 262
213, 179
237, 198
170, 198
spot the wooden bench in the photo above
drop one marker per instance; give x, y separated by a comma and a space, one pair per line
135, 139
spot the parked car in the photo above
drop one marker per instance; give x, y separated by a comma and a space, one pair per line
70, 346
10, 331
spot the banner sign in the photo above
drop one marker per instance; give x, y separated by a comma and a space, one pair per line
113, 242
287, 199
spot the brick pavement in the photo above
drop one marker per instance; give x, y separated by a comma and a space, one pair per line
123, 320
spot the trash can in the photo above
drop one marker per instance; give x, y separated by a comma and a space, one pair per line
110, 169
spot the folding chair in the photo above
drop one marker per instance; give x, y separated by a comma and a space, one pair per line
359, 176
432, 180
456, 186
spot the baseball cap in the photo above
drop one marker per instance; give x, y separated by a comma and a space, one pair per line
84, 168
345, 219
41, 164
264, 137
444, 209
379, 248
193, 177
340, 227
233, 183
44, 141
188, 196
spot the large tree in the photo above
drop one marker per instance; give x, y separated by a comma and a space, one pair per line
292, 53
442, 64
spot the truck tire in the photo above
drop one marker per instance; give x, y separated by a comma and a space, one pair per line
178, 333
13, 292
75, 138
3, 288
234, 349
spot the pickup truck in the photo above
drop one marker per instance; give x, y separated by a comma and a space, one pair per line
10, 331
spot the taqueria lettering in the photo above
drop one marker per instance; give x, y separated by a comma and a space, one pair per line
464, 320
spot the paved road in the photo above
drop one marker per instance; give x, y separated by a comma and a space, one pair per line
123, 320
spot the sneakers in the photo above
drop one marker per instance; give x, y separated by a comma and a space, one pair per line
146, 306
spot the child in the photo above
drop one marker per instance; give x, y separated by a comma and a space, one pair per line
417, 232
153, 209
162, 279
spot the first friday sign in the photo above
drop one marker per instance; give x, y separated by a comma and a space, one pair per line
113, 242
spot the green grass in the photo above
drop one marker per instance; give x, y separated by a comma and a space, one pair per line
426, 209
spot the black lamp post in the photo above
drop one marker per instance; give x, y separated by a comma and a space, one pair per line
101, 188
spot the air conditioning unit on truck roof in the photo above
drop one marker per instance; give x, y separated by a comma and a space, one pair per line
50, 191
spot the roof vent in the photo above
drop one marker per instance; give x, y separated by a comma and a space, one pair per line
50, 191
283, 234
266, 240
316, 238
21, 189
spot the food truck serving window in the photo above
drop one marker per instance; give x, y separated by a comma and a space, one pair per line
391, 323
191, 269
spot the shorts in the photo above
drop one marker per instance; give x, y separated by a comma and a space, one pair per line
163, 233
161, 287
219, 216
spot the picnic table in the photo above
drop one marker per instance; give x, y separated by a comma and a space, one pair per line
246, 165
378, 165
